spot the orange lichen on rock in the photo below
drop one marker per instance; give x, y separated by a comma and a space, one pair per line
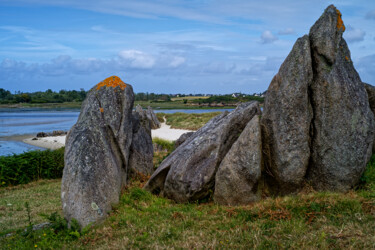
113, 81
101, 110
340, 23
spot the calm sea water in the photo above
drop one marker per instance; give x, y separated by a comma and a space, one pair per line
17, 122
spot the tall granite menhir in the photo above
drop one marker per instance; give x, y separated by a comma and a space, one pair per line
98, 149
317, 125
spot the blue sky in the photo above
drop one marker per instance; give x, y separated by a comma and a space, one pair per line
165, 46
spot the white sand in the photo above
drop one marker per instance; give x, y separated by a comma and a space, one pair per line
54, 142
50, 142
167, 133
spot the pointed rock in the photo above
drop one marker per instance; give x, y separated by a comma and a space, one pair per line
286, 121
236, 181
343, 124
154, 121
97, 152
141, 150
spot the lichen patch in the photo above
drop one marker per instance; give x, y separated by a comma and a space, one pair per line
340, 22
113, 81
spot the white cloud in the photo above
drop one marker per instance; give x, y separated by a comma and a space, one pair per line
176, 61
268, 37
287, 31
138, 59
354, 35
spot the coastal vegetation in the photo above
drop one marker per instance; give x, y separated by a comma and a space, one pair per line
141, 220
74, 99
48, 96
31, 166
192, 121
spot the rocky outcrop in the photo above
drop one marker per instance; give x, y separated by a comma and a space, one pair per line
97, 152
188, 173
317, 128
141, 150
317, 125
237, 178
343, 124
182, 138
54, 133
153, 119
286, 120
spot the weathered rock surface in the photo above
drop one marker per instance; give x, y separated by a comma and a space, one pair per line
154, 121
286, 120
238, 174
343, 124
188, 173
182, 138
317, 124
97, 152
141, 150
371, 99
371, 96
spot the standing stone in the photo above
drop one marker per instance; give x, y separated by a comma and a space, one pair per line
238, 174
343, 124
286, 121
188, 173
141, 150
154, 121
97, 152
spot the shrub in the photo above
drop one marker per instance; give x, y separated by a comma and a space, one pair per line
31, 166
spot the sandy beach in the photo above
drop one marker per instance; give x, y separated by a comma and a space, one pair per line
54, 142
50, 142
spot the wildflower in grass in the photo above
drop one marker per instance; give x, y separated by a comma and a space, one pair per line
36, 246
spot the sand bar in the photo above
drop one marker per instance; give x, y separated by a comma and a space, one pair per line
54, 142
50, 142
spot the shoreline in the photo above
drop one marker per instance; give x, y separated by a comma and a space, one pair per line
165, 132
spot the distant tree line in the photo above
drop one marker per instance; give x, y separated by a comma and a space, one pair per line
47, 96
229, 99
152, 97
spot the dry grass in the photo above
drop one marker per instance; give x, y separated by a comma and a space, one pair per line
43, 198
308, 220
188, 121
141, 220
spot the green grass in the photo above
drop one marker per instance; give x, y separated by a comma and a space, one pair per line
189, 98
166, 148
142, 220
308, 220
187, 121
43, 197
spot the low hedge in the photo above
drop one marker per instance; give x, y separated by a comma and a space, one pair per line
31, 166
